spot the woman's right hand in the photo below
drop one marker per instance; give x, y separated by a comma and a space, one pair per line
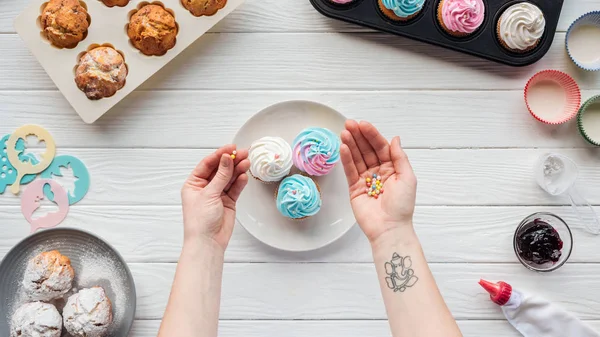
365, 152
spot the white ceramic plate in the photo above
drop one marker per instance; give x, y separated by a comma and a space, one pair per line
256, 209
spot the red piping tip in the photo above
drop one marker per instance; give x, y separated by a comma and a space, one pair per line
499, 292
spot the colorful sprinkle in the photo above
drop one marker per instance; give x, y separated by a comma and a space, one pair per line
374, 186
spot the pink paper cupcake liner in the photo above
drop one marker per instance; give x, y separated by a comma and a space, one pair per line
572, 91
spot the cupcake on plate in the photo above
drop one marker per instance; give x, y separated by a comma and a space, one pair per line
203, 7
461, 18
521, 27
48, 276
316, 151
64, 22
401, 10
152, 30
101, 73
270, 159
36, 319
298, 197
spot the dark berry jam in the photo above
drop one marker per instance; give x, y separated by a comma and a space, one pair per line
539, 243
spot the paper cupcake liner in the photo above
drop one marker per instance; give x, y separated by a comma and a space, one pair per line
580, 126
388, 13
265, 182
572, 92
591, 18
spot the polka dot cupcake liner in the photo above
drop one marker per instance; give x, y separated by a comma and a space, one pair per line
585, 125
578, 44
540, 86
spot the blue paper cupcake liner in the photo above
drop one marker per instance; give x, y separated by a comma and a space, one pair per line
593, 19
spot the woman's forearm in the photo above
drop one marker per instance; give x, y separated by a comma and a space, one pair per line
193, 308
412, 299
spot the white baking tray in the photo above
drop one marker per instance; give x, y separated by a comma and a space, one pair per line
108, 26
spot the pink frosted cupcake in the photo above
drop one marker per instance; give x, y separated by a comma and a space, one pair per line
341, 2
316, 151
461, 18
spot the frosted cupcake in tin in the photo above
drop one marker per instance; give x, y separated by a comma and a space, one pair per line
270, 159
316, 151
461, 18
521, 27
298, 197
341, 2
401, 10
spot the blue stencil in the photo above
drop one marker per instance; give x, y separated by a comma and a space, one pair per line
82, 183
8, 174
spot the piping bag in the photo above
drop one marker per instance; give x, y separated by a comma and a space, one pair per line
534, 316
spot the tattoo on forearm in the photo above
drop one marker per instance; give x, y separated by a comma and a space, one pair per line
400, 274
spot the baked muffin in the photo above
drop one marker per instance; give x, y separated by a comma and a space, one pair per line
203, 7
270, 159
152, 30
298, 197
113, 3
64, 22
316, 151
36, 319
521, 27
88, 313
48, 276
101, 73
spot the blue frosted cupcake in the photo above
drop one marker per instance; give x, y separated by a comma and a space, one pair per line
401, 10
298, 197
316, 151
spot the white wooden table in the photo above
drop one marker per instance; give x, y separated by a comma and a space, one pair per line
463, 120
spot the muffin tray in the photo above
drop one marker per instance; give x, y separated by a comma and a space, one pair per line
426, 27
108, 26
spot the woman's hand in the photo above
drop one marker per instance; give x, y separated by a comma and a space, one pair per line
210, 193
365, 152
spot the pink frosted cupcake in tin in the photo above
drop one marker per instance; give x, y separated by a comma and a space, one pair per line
461, 18
341, 2
316, 151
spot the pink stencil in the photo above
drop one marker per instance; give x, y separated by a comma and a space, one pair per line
30, 201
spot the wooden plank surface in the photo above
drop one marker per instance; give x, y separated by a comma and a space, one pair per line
351, 291
484, 328
457, 119
253, 61
285, 16
448, 234
470, 139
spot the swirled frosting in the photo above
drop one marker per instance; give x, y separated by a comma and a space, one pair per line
341, 2
298, 197
404, 8
463, 16
316, 151
521, 26
270, 159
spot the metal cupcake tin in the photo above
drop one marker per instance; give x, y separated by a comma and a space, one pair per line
108, 26
425, 27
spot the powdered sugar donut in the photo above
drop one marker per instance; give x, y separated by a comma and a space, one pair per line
48, 276
36, 319
88, 313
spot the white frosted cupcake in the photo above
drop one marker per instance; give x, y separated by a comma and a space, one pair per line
521, 27
270, 159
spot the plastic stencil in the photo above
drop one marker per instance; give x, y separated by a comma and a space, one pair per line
82, 184
24, 168
8, 173
30, 201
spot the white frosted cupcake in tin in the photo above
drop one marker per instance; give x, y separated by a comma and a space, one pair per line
270, 159
521, 27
